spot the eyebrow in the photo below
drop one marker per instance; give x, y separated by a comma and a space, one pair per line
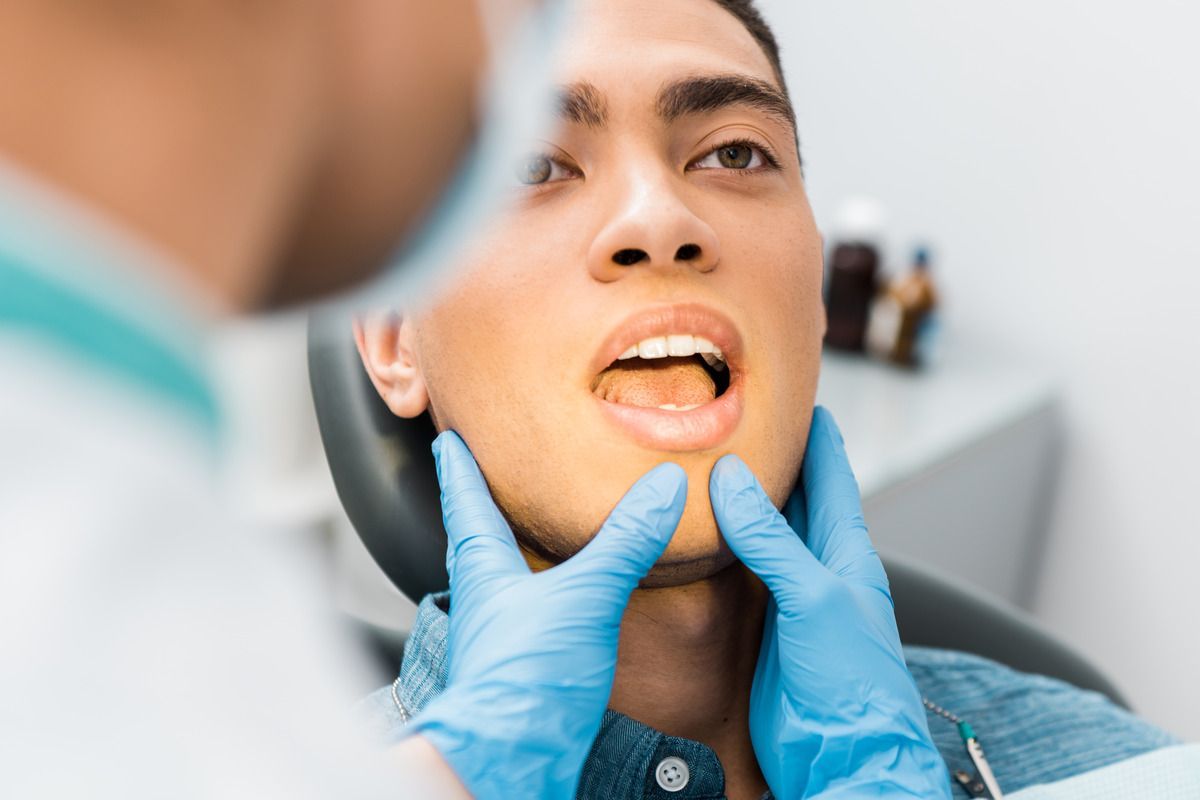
583, 104
707, 93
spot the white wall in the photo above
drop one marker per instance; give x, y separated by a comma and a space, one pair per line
1051, 153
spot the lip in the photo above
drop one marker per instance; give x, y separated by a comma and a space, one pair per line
701, 428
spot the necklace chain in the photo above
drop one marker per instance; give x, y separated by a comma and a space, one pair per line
941, 712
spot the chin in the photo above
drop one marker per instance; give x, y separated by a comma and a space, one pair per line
666, 573
696, 553
551, 531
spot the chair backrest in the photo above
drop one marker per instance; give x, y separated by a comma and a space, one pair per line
937, 611
384, 473
382, 466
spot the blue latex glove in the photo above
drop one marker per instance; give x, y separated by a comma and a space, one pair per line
834, 710
532, 656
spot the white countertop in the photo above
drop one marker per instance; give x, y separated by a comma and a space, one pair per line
898, 423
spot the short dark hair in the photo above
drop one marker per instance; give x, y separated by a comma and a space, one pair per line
748, 14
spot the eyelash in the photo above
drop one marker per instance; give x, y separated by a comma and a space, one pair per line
555, 163
772, 161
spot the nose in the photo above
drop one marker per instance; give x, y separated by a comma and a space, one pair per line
650, 226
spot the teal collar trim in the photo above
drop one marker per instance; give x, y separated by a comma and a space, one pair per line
34, 302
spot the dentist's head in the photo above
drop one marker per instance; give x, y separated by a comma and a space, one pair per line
276, 151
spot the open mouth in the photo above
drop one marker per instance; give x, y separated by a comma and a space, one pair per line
679, 372
672, 378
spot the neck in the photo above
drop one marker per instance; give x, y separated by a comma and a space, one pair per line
184, 124
686, 664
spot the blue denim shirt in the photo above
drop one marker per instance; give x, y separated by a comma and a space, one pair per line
1034, 729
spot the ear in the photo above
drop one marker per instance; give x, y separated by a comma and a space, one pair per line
385, 344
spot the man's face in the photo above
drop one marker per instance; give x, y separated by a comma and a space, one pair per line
668, 212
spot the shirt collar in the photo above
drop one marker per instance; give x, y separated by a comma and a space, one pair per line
623, 759
71, 278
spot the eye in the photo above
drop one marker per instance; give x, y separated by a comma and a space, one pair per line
736, 155
538, 168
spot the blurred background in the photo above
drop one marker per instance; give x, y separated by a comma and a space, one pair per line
1045, 452
1048, 151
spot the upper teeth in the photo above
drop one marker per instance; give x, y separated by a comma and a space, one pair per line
676, 346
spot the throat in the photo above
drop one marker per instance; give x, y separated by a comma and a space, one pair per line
686, 664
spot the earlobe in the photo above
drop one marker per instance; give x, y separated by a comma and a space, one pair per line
385, 345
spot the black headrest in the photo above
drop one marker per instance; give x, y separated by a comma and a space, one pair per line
382, 465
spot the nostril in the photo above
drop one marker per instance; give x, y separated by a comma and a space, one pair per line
629, 257
688, 252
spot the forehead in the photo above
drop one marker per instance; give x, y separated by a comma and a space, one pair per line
628, 48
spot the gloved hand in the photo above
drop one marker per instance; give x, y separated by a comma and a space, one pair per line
834, 710
532, 656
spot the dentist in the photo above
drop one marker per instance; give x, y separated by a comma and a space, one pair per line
165, 165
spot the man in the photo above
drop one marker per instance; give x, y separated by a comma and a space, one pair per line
655, 296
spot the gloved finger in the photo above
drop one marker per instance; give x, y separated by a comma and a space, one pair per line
761, 538
480, 543
837, 532
795, 511
636, 532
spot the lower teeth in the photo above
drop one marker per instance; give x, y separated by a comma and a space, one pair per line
673, 407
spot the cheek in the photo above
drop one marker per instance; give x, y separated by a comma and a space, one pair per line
789, 329
493, 371
461, 363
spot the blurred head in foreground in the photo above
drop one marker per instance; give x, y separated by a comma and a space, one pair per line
274, 150
653, 295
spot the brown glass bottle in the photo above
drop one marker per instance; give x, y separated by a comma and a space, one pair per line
853, 272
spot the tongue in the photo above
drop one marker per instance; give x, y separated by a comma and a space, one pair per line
658, 382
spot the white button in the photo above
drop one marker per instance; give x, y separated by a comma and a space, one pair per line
672, 774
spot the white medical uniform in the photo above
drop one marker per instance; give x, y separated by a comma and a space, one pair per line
149, 646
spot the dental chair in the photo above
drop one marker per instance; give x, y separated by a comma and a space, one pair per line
384, 474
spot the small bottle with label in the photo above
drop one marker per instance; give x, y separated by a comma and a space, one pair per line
903, 317
851, 283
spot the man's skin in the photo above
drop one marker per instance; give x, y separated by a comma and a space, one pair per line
505, 357
271, 152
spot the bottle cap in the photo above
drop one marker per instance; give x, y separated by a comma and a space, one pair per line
860, 220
